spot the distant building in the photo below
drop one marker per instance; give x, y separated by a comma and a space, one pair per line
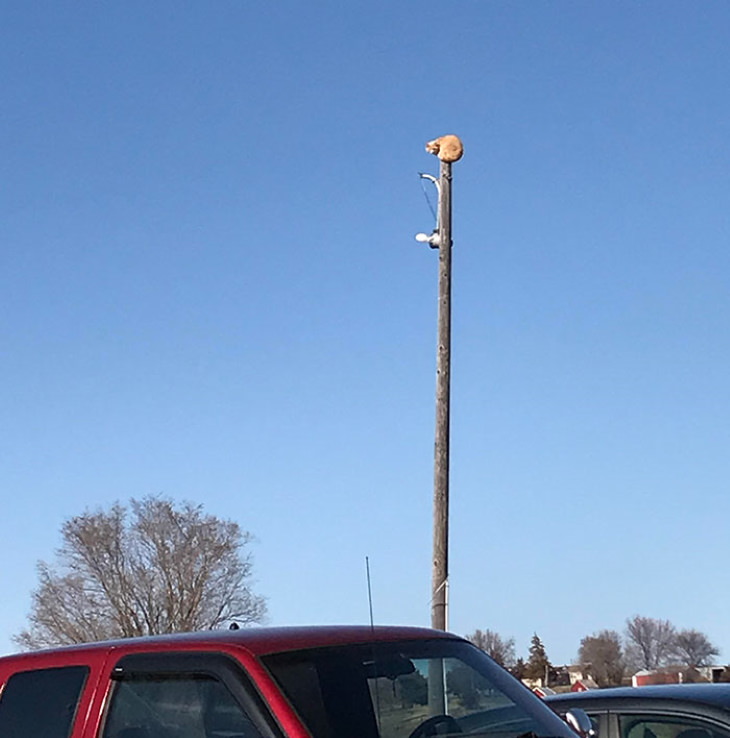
679, 675
659, 676
562, 678
713, 674
543, 691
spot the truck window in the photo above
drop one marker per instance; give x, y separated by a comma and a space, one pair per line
175, 706
41, 702
409, 689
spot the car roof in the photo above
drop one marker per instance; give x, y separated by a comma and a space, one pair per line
261, 641
716, 695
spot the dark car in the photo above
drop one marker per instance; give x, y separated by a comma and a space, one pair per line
661, 711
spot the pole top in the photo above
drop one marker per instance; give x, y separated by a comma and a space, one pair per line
448, 148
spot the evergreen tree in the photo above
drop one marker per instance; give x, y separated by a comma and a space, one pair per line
518, 670
538, 665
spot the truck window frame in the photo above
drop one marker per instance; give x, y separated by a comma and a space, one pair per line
219, 666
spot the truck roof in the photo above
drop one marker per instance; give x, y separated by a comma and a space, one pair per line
258, 641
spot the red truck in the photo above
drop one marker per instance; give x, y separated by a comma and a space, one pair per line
320, 682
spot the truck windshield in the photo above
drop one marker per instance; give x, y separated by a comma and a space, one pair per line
410, 689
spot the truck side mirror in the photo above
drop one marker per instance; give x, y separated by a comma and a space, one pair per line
580, 722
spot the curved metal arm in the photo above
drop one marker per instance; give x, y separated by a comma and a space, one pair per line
433, 239
431, 178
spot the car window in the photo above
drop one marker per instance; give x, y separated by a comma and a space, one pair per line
41, 702
176, 706
410, 689
655, 726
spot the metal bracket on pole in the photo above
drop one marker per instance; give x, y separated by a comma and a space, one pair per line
436, 181
432, 239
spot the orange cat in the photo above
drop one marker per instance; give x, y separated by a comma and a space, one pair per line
447, 148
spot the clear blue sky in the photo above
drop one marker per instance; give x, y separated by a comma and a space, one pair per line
210, 289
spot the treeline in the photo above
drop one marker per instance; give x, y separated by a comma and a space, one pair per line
608, 656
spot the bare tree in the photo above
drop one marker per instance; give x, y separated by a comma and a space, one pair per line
156, 567
650, 643
694, 649
502, 650
603, 655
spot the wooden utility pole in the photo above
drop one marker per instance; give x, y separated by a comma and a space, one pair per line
448, 149
440, 575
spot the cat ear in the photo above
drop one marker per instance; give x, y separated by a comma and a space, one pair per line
433, 146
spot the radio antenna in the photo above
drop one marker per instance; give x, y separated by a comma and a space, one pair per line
376, 683
370, 591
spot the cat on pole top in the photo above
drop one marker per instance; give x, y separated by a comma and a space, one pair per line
448, 148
